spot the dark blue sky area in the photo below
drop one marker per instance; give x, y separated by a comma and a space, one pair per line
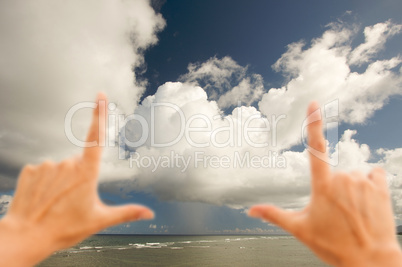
256, 33
253, 33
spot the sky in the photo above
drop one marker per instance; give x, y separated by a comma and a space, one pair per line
208, 100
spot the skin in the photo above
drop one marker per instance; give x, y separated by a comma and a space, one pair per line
349, 220
63, 206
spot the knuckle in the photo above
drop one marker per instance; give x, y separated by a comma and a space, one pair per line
47, 164
324, 188
379, 170
29, 168
384, 193
342, 176
66, 164
348, 180
363, 183
357, 174
318, 144
27, 171
46, 167
383, 197
379, 174
358, 177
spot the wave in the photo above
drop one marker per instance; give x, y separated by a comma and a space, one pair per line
89, 247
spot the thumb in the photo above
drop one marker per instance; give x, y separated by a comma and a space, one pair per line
113, 215
282, 218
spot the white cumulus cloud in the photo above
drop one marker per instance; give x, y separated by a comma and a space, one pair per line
55, 54
225, 81
375, 38
200, 165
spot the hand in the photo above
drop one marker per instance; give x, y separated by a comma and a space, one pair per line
349, 220
56, 205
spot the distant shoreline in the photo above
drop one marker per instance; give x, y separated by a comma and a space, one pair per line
284, 234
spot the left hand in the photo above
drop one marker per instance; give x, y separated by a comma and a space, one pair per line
56, 205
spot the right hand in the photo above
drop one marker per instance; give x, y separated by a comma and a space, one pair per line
349, 220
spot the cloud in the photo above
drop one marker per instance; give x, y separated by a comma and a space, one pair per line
322, 72
62, 53
225, 81
375, 38
254, 231
391, 161
5, 201
264, 176
193, 167
55, 54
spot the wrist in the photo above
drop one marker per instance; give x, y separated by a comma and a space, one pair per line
386, 255
22, 244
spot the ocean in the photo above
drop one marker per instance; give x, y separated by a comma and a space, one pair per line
167, 250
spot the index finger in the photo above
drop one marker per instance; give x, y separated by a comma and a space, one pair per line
320, 171
92, 154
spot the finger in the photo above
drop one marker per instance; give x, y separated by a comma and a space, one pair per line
46, 176
282, 218
320, 171
96, 134
358, 175
24, 187
25, 179
120, 214
378, 177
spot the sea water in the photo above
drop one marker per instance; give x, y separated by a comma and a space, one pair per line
168, 250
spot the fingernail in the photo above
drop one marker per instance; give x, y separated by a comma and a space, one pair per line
146, 214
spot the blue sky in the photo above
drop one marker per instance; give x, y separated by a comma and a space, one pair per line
194, 43
256, 33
